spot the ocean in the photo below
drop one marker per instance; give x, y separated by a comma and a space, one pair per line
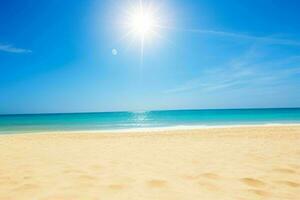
151, 119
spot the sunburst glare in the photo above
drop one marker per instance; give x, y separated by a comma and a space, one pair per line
142, 21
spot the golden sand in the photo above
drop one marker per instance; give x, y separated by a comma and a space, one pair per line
246, 163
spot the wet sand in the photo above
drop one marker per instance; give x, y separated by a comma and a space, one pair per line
243, 163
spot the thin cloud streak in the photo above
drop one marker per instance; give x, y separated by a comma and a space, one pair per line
11, 49
267, 39
212, 84
264, 39
242, 72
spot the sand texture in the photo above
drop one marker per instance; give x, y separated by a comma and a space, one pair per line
245, 163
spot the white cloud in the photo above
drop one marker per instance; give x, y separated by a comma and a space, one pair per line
11, 49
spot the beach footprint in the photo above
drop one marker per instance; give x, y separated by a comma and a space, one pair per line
156, 183
289, 183
210, 175
253, 182
260, 193
285, 170
208, 186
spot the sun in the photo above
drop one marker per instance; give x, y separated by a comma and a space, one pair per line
142, 22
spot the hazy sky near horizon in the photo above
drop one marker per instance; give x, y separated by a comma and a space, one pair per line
72, 56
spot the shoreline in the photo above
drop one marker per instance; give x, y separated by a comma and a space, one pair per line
153, 129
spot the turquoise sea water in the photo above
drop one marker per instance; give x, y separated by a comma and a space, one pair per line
133, 120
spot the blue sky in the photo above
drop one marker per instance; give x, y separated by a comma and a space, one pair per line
56, 56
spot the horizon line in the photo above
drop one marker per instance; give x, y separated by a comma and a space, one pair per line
144, 111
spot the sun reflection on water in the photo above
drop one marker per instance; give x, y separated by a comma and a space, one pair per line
140, 118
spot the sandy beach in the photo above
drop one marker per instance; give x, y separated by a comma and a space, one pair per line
244, 163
